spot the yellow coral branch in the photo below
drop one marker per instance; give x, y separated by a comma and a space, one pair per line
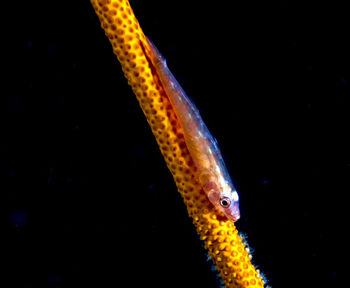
220, 236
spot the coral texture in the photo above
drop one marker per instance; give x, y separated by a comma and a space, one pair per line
220, 236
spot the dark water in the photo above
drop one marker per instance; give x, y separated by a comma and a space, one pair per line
272, 83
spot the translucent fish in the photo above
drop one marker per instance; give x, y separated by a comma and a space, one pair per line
204, 150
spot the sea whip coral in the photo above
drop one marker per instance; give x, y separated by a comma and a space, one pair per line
220, 235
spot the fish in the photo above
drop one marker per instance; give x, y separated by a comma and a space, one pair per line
202, 146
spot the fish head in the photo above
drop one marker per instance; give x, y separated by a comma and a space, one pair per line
227, 203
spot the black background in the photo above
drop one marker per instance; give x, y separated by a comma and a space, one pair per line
271, 79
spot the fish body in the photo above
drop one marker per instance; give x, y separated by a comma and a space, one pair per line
212, 173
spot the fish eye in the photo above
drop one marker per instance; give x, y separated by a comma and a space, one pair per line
225, 202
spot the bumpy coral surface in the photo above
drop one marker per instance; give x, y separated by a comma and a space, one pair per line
220, 236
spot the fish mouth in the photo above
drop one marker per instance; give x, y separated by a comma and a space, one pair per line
235, 217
